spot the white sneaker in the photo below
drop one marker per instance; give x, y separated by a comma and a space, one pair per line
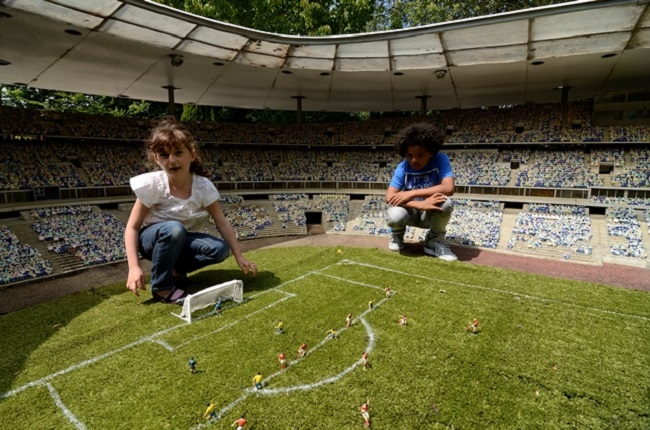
396, 242
440, 250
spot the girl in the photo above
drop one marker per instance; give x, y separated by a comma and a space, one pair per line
169, 214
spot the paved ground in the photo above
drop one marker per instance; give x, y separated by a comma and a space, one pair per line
12, 299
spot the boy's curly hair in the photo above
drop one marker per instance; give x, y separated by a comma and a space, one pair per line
169, 133
422, 134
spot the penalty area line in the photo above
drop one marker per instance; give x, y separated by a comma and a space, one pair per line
67, 412
303, 387
194, 339
334, 378
497, 290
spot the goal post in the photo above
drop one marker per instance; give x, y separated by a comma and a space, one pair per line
231, 290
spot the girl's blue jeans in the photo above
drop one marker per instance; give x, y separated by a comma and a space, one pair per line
169, 246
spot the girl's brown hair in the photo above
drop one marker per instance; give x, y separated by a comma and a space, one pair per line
167, 134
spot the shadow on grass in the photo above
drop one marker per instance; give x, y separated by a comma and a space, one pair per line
208, 278
43, 321
211, 277
24, 332
462, 252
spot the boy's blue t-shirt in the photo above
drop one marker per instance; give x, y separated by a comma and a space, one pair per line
406, 178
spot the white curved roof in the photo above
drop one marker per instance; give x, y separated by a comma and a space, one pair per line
123, 48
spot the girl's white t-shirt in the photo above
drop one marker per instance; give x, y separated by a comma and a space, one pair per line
153, 191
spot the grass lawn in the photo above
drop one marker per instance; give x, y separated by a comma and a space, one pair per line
549, 354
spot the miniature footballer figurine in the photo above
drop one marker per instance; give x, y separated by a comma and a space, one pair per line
283, 360
210, 411
257, 381
217, 307
348, 321
302, 350
472, 327
240, 423
192, 364
402, 320
365, 414
364, 358
280, 327
371, 304
331, 334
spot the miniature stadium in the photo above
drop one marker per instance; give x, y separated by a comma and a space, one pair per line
542, 323
550, 352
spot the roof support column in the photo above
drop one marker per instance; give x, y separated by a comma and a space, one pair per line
171, 111
564, 103
423, 103
299, 118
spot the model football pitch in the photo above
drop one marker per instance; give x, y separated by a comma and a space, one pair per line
548, 353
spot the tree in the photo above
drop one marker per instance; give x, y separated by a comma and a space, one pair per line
62, 101
396, 14
297, 17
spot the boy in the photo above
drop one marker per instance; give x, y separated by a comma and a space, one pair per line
418, 192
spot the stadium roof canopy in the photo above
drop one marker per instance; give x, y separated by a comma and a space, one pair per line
134, 48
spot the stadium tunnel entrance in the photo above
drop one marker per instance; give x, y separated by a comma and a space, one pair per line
315, 223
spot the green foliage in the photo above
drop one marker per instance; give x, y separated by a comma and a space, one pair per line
550, 353
304, 17
62, 101
397, 14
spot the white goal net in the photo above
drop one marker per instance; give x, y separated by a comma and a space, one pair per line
231, 290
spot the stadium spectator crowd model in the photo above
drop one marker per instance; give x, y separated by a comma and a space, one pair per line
96, 237
508, 147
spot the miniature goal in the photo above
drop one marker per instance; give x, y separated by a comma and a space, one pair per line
231, 290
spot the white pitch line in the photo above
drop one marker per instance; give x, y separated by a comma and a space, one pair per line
497, 290
150, 338
248, 391
303, 387
68, 414
195, 338
88, 362
350, 281
153, 338
291, 281
164, 344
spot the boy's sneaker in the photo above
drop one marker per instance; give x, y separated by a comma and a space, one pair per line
440, 250
396, 242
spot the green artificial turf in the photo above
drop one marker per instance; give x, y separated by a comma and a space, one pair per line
550, 353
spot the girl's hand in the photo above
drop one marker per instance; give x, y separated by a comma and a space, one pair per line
135, 281
247, 266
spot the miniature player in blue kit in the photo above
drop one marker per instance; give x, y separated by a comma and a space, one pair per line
217, 307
